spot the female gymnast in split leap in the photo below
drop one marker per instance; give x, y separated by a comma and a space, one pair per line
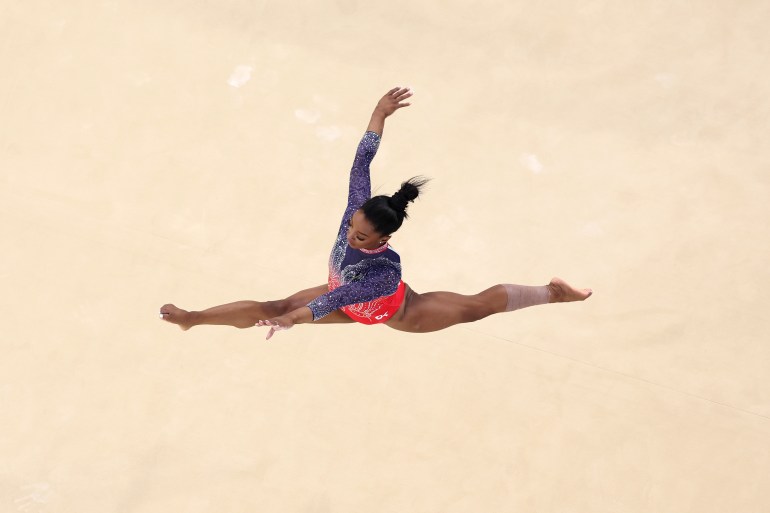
365, 272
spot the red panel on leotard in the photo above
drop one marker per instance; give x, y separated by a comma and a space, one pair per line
376, 311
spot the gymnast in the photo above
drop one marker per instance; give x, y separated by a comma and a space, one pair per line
364, 282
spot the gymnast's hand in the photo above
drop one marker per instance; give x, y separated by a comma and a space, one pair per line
301, 315
393, 100
388, 104
277, 324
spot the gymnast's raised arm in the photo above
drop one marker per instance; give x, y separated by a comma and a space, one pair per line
359, 186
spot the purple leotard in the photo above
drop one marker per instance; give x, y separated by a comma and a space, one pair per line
358, 277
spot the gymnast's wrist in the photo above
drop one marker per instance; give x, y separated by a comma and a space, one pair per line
301, 315
379, 113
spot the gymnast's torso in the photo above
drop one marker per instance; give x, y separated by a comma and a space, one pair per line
360, 280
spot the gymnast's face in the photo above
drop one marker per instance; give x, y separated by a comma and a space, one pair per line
361, 233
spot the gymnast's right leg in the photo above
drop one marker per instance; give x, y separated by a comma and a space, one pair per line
241, 314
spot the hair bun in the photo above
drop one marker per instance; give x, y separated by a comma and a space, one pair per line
386, 213
407, 193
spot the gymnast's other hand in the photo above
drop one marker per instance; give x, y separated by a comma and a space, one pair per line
277, 324
393, 100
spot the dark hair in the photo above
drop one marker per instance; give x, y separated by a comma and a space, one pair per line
387, 213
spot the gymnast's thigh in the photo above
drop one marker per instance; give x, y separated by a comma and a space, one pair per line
303, 297
432, 311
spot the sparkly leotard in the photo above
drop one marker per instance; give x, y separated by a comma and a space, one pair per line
361, 282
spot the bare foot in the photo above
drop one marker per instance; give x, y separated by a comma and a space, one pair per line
174, 315
562, 292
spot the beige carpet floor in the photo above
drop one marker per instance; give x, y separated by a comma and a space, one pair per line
197, 153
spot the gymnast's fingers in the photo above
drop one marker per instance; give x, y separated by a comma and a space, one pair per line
403, 94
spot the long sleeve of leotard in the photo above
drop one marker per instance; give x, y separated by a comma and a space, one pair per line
360, 186
381, 279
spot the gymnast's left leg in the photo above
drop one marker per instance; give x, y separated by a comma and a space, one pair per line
422, 313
